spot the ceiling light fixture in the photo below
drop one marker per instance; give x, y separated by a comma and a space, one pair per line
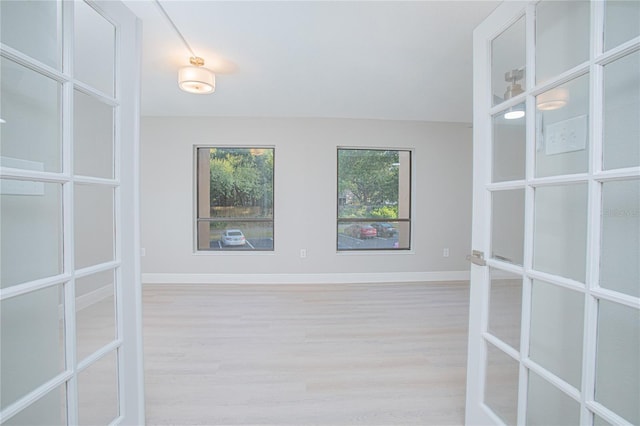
512, 77
195, 78
514, 89
552, 99
514, 113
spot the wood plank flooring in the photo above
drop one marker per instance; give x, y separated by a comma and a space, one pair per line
347, 354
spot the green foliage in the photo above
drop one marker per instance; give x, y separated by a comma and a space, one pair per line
242, 177
368, 183
385, 212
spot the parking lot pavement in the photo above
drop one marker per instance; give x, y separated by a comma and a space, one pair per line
251, 244
346, 242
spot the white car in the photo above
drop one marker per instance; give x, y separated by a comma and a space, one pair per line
233, 237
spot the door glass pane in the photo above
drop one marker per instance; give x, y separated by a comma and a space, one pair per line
509, 145
507, 225
557, 330
30, 108
621, 111
508, 63
98, 392
562, 129
505, 306
620, 245
560, 230
31, 227
562, 36
96, 312
94, 45
547, 405
33, 28
599, 421
32, 350
501, 385
93, 137
617, 366
94, 224
622, 22
50, 410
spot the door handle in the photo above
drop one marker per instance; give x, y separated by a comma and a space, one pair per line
477, 257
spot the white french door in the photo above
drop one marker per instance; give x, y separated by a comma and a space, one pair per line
70, 304
554, 332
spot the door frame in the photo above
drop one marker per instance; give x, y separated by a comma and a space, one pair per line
500, 19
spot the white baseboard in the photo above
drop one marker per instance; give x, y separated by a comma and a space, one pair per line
336, 278
94, 297
89, 299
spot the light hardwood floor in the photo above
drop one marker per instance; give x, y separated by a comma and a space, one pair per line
348, 354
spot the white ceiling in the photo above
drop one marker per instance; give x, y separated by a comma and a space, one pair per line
396, 60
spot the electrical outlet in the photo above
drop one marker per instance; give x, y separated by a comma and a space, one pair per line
445, 252
143, 252
303, 253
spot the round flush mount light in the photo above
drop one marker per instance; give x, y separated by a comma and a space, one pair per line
552, 99
513, 114
196, 79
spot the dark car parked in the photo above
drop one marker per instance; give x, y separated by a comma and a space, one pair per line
384, 229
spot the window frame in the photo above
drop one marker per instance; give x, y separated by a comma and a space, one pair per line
196, 216
409, 219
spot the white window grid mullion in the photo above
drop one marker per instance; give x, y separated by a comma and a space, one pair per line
505, 266
119, 313
504, 347
117, 223
606, 414
28, 287
34, 396
596, 90
31, 63
618, 174
505, 186
556, 381
32, 175
616, 297
505, 105
118, 202
98, 355
89, 180
69, 210
484, 321
530, 157
618, 51
560, 180
525, 326
94, 269
95, 93
556, 280
494, 417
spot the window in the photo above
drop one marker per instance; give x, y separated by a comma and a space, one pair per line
235, 199
374, 199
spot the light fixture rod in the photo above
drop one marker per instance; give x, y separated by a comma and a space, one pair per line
184, 40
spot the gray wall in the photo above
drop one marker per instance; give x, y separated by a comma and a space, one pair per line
305, 194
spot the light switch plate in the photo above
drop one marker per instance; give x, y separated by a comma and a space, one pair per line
566, 136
